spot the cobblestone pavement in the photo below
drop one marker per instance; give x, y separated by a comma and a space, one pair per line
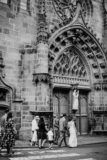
82, 140
24, 151
88, 152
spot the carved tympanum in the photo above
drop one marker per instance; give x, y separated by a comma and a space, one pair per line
69, 64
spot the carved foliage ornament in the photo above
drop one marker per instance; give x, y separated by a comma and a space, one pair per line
41, 77
70, 64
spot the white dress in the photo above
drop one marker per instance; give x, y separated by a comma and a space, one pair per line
73, 137
34, 129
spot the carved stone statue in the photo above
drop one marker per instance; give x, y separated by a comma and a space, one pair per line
75, 99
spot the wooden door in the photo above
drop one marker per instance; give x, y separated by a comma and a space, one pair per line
82, 113
61, 101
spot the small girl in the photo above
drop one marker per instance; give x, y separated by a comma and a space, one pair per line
50, 137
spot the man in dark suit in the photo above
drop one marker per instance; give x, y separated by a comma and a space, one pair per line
63, 130
56, 128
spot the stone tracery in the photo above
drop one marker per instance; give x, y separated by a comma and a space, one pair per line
85, 44
69, 64
67, 10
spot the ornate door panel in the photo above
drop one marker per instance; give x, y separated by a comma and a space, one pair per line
61, 101
82, 115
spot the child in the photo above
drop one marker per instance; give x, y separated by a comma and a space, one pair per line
50, 137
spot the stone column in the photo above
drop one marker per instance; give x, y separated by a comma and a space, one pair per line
41, 76
42, 79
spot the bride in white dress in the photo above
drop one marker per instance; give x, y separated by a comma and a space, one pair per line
72, 142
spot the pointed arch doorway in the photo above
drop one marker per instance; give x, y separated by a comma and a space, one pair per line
76, 56
62, 103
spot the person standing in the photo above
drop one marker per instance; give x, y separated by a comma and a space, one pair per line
9, 135
34, 131
62, 130
56, 129
50, 137
72, 142
42, 133
3, 120
37, 121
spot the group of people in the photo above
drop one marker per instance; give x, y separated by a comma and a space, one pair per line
62, 128
40, 132
8, 132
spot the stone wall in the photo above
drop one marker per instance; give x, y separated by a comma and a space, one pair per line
18, 31
105, 27
97, 21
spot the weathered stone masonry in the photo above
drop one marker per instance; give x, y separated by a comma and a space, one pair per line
47, 48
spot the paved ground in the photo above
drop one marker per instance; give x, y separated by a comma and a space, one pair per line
85, 152
82, 140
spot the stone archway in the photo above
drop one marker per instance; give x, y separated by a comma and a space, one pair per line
76, 57
88, 46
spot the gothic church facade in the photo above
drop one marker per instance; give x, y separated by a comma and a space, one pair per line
47, 49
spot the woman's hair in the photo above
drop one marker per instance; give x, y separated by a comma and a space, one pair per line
6, 111
9, 115
70, 118
41, 120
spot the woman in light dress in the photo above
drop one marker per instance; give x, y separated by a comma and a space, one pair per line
72, 142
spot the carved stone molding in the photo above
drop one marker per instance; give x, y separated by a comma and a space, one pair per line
97, 86
95, 65
90, 56
103, 65
42, 34
97, 76
99, 56
100, 86
87, 46
104, 86
41, 77
70, 80
100, 109
104, 75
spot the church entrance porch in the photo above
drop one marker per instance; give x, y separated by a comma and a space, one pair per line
62, 103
